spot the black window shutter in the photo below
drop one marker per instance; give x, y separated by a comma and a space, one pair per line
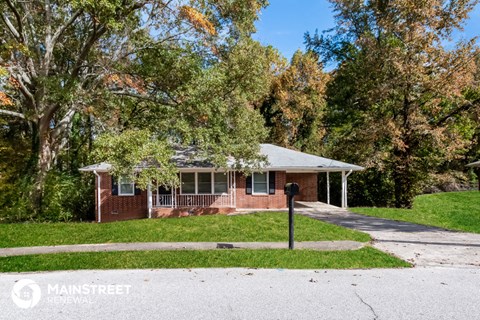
248, 187
138, 191
114, 187
271, 182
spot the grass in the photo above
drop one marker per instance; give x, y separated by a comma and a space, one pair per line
297, 259
255, 227
452, 210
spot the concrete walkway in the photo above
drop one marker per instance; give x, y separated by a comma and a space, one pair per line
149, 246
420, 245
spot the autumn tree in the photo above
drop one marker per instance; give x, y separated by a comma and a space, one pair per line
295, 106
398, 91
59, 59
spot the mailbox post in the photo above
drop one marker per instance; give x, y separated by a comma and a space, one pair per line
291, 189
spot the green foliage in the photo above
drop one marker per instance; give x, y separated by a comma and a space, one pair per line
271, 226
137, 155
295, 107
286, 259
451, 210
399, 102
185, 71
365, 188
68, 197
371, 188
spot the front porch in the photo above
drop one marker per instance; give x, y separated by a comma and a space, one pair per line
226, 200
199, 191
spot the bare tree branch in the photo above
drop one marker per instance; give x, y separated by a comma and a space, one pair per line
18, 18
11, 27
12, 113
464, 107
52, 40
144, 97
63, 124
23, 88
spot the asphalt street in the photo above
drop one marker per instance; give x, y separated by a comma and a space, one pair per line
419, 293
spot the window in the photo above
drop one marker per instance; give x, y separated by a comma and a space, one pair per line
126, 187
220, 182
204, 182
260, 183
257, 183
188, 183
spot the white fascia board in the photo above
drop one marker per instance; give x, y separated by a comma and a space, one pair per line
93, 169
313, 169
203, 170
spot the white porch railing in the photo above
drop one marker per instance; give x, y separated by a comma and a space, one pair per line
193, 200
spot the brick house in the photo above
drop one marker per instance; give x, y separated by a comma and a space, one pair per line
207, 190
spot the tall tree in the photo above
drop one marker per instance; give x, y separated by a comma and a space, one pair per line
398, 91
295, 107
61, 58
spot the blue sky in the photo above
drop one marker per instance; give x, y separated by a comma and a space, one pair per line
284, 22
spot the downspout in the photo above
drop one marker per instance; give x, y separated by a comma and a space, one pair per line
346, 198
99, 207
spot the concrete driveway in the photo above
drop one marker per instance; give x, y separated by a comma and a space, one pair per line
420, 245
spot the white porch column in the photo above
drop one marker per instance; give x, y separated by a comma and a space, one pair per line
233, 189
99, 196
343, 189
149, 199
346, 188
328, 187
230, 187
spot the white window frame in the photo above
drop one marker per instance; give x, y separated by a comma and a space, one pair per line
266, 173
120, 183
212, 184
194, 181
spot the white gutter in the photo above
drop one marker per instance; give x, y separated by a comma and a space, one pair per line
99, 207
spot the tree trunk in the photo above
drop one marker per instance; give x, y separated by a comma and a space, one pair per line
43, 154
403, 179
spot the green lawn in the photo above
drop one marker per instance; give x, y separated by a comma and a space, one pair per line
451, 210
271, 226
296, 259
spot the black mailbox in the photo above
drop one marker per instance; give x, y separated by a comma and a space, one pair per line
291, 189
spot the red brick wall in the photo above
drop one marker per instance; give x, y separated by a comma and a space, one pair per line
185, 212
308, 183
253, 201
115, 208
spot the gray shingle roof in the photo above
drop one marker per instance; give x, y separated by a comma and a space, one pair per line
99, 167
283, 158
278, 158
